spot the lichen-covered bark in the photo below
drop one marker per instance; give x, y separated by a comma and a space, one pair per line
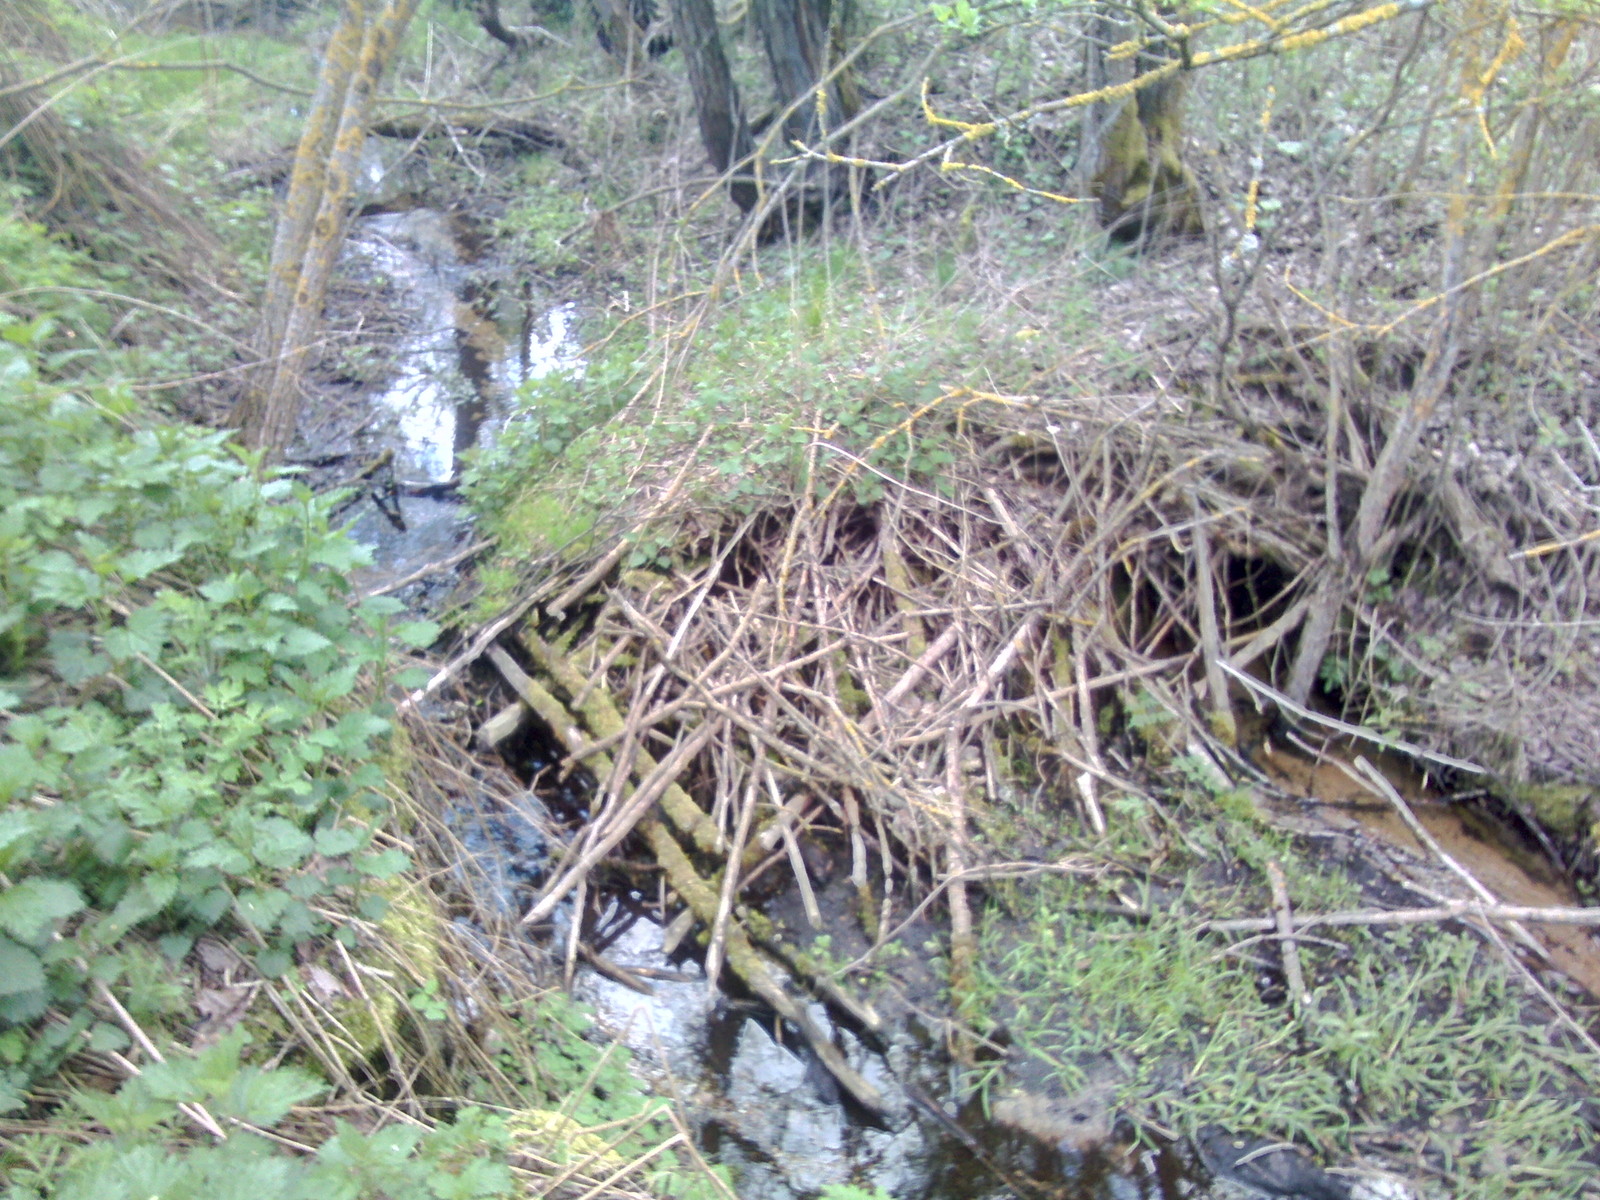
1139, 176
311, 226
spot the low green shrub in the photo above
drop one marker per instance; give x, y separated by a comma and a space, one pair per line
150, 1150
187, 687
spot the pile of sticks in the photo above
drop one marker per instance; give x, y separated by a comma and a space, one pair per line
876, 669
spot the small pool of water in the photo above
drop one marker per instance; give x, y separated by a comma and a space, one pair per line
454, 384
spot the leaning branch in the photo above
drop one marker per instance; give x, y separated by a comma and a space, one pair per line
1280, 41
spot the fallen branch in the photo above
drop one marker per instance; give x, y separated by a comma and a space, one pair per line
599, 718
1462, 910
1284, 918
1344, 727
520, 135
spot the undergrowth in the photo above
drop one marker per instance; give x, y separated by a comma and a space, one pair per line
197, 748
1413, 1038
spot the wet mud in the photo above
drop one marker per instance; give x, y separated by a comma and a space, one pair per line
1497, 855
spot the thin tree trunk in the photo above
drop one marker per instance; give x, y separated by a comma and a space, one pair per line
311, 226
1389, 473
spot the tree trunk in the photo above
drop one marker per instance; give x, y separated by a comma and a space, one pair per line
800, 36
1140, 179
723, 129
311, 225
488, 14
803, 41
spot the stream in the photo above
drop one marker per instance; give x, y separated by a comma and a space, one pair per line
452, 387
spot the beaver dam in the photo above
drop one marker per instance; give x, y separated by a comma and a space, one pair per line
934, 822
916, 780
941, 633
934, 830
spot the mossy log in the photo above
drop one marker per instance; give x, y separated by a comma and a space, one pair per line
602, 719
522, 136
311, 226
746, 962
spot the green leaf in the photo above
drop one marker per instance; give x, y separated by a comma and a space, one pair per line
274, 964
137, 564
418, 634
265, 1097
58, 578
386, 864
21, 1008
262, 907
339, 839
373, 907
17, 771
340, 552
228, 859
29, 909
144, 632
175, 947
105, 1037
302, 642
74, 656
477, 1178
278, 843
221, 591
131, 1110
13, 1092
149, 895
16, 837
81, 731
20, 969
212, 906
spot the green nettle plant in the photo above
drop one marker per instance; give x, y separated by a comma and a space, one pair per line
458, 1161
190, 725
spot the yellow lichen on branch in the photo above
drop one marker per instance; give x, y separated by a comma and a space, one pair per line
1015, 184
1477, 88
1571, 237
972, 131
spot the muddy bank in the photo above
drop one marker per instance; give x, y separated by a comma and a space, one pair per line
1504, 859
